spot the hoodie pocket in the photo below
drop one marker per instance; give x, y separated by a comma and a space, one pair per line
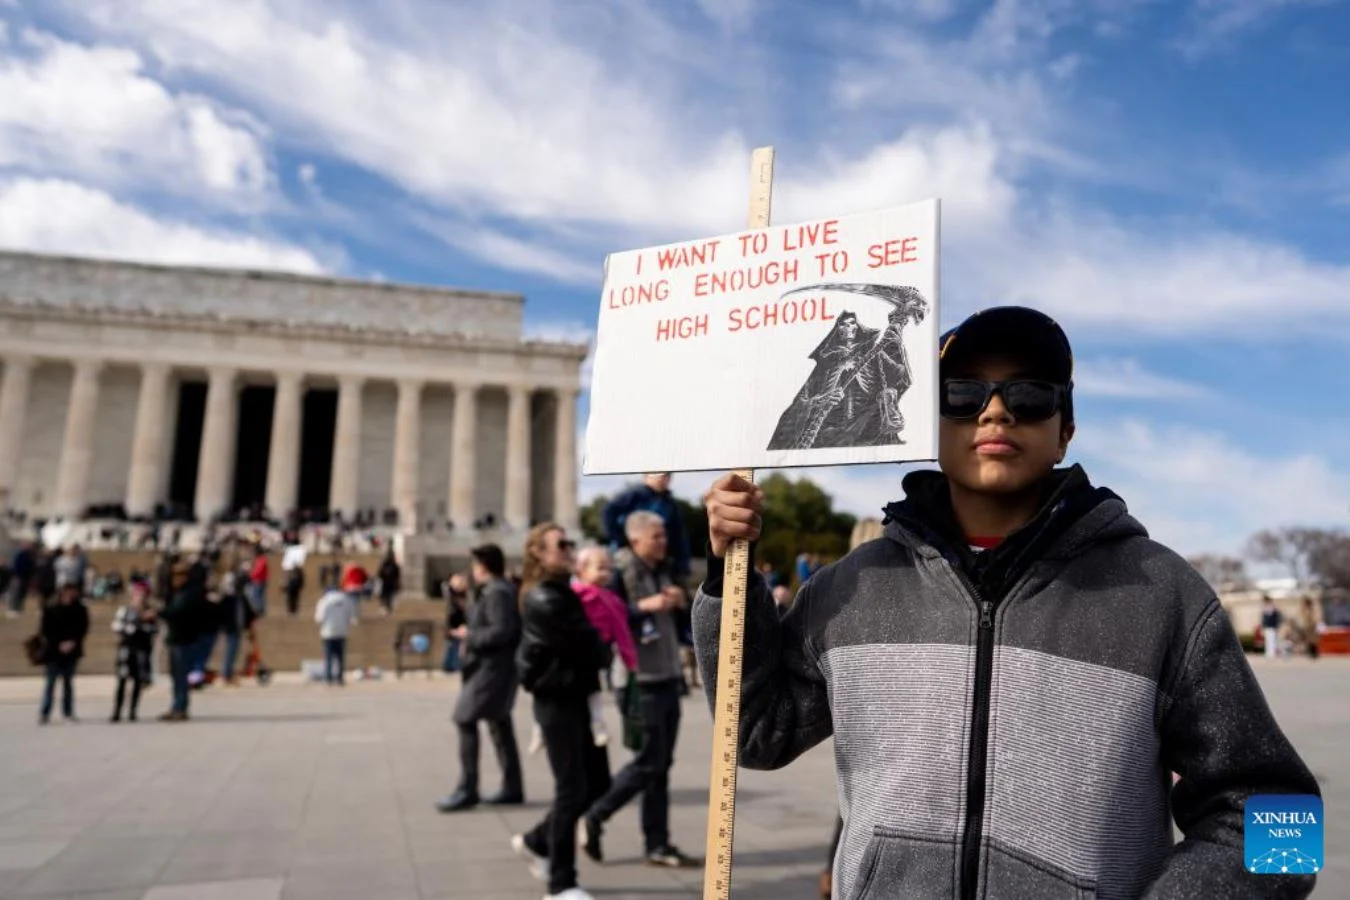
903, 864
1013, 875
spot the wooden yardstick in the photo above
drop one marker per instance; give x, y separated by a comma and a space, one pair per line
736, 580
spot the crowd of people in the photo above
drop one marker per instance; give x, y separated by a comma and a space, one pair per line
187, 608
556, 632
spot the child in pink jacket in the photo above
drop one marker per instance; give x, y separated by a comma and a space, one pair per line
609, 615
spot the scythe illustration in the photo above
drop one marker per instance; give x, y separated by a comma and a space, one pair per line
907, 305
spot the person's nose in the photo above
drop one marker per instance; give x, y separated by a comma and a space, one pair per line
995, 412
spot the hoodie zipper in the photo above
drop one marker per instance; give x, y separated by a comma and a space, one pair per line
979, 743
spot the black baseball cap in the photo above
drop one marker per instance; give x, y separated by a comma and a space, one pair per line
1028, 334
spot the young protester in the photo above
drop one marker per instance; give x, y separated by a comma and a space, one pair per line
136, 625
1013, 671
559, 660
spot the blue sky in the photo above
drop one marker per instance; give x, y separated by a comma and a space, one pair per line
1170, 179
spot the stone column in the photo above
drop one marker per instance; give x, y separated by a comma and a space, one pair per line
517, 512
147, 441
283, 455
215, 467
13, 421
77, 449
407, 453
342, 490
565, 462
463, 459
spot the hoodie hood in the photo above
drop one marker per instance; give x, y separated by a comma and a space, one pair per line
1073, 516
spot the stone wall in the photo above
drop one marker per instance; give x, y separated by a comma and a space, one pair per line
245, 296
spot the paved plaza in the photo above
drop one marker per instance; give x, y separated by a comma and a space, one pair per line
300, 791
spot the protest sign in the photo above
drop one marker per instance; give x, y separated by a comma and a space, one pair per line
791, 345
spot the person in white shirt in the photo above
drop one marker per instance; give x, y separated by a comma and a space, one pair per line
335, 614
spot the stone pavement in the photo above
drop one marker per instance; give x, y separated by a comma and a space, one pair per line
301, 791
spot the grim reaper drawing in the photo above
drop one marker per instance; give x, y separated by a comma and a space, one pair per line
852, 397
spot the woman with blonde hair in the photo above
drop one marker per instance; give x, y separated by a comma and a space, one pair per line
559, 661
865, 530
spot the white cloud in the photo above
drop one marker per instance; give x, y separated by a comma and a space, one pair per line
1217, 23
1128, 379
93, 112
1158, 278
550, 134
960, 165
1201, 490
55, 216
730, 15
926, 10
511, 253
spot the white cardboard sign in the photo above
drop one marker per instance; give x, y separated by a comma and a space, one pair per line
794, 345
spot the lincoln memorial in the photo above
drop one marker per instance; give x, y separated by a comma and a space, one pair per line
143, 388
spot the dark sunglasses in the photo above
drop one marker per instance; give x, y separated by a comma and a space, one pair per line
567, 544
1026, 399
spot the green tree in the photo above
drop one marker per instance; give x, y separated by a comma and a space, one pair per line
592, 519
799, 517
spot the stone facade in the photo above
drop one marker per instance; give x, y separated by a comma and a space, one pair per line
442, 410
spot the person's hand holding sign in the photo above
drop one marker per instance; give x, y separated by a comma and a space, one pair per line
735, 507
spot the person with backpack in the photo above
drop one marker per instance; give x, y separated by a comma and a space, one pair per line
1013, 671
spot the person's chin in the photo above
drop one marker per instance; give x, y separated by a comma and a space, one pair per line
1003, 476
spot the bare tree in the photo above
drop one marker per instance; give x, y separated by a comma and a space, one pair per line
1224, 573
1285, 547
1329, 560
1310, 555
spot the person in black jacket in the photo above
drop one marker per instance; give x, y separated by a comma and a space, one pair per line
488, 692
184, 616
560, 658
64, 626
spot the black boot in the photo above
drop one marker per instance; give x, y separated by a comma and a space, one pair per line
459, 801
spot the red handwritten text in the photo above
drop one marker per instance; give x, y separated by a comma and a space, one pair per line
893, 253
706, 284
682, 329
687, 255
783, 312
634, 294
817, 234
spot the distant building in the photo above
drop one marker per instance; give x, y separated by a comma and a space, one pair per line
132, 386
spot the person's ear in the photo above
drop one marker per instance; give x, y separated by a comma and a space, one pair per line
1066, 433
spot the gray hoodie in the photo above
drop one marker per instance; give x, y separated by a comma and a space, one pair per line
1006, 724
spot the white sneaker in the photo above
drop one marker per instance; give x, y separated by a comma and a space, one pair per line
538, 865
575, 893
